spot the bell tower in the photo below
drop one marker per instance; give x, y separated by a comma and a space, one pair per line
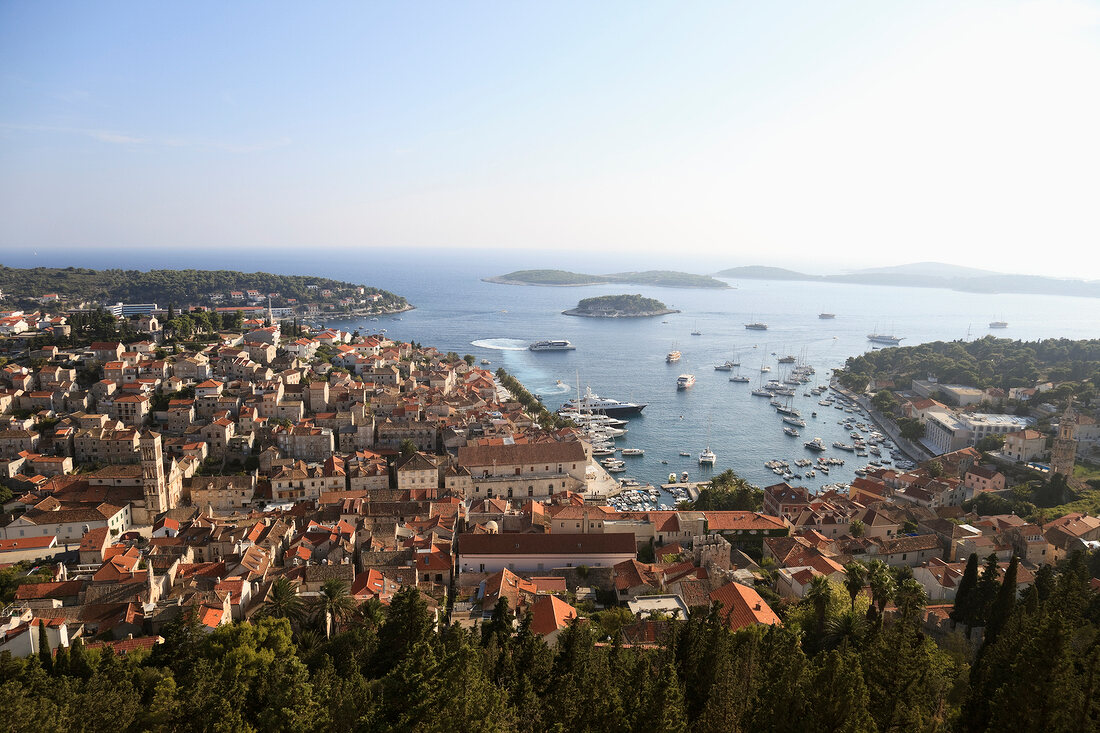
1063, 454
152, 473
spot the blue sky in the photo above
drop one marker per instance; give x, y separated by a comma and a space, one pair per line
831, 135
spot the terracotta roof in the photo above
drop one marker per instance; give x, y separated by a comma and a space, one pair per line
524, 453
550, 613
742, 606
546, 544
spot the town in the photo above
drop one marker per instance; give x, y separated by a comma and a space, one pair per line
237, 467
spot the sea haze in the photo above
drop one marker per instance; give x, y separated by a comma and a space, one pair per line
624, 358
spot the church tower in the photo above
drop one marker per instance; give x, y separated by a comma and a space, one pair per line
1063, 454
152, 474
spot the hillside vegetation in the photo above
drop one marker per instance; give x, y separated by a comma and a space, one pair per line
75, 284
985, 363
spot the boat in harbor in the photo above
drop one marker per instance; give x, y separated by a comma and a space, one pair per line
756, 326
826, 316
553, 345
592, 402
707, 457
726, 366
998, 324
740, 378
791, 432
684, 381
673, 356
882, 338
794, 421
633, 451
685, 454
788, 359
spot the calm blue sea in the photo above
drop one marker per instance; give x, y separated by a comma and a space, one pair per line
624, 359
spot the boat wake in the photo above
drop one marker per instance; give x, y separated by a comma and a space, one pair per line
557, 389
500, 344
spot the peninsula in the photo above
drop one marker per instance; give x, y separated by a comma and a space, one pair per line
83, 288
619, 306
564, 278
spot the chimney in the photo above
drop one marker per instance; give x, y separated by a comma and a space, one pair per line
756, 607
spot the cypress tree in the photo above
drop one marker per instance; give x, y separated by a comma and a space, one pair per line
44, 655
962, 613
1004, 604
986, 592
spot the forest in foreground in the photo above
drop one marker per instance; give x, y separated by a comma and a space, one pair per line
830, 667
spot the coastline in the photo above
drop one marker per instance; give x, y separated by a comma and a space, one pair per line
617, 314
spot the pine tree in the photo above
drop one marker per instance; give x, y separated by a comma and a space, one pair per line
837, 698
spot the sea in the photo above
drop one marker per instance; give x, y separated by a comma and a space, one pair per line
624, 359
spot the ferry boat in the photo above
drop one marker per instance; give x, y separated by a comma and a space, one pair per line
673, 356
998, 324
881, 338
684, 381
591, 402
707, 457
757, 326
555, 345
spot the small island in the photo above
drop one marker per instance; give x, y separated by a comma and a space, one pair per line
619, 306
565, 278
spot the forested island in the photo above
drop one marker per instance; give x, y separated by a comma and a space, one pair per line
76, 285
619, 306
564, 278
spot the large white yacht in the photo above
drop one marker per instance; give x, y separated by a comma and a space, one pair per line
592, 402
707, 457
684, 381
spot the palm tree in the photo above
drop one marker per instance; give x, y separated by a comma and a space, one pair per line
910, 599
283, 601
855, 577
333, 604
370, 614
819, 593
882, 584
847, 629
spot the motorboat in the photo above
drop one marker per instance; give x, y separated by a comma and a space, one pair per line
998, 324
633, 451
684, 381
553, 345
791, 432
826, 316
740, 378
757, 326
882, 338
816, 444
707, 457
685, 453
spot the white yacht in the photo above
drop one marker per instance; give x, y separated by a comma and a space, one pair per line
684, 381
707, 457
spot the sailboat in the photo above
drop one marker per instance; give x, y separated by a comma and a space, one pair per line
695, 330
739, 377
760, 391
728, 364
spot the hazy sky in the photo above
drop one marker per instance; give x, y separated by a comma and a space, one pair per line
824, 134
